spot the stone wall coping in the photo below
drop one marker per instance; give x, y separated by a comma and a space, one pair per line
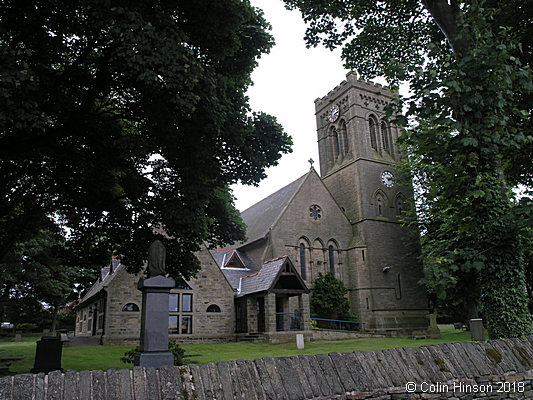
359, 375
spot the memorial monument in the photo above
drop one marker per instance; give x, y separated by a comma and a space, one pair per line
154, 318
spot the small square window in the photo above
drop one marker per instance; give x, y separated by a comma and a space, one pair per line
186, 324
186, 303
173, 324
174, 302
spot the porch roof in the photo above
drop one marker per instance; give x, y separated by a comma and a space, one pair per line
266, 278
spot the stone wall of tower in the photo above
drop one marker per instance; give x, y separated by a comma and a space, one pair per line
384, 274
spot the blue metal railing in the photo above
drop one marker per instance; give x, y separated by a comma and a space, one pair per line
338, 324
288, 321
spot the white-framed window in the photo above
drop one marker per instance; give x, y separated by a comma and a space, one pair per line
180, 309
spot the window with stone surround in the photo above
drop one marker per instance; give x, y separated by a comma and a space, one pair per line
303, 253
130, 307
400, 204
385, 137
180, 309
331, 258
380, 203
372, 126
315, 212
344, 137
336, 143
213, 308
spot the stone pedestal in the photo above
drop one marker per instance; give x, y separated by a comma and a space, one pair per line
154, 322
476, 329
48, 355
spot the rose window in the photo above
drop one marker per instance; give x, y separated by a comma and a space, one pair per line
315, 212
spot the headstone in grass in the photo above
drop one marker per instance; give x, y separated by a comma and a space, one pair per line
300, 341
476, 329
154, 314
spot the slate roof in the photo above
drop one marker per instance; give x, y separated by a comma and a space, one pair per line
234, 276
263, 279
106, 277
221, 256
262, 215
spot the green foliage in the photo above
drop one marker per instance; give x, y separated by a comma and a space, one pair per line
173, 346
37, 276
468, 121
26, 327
119, 118
66, 320
328, 299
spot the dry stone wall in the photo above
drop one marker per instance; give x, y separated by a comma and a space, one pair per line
492, 370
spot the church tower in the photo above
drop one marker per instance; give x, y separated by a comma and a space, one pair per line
358, 158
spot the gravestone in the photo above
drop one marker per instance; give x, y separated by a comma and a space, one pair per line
154, 315
48, 355
18, 336
300, 341
476, 329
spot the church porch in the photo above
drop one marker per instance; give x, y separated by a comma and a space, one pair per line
273, 303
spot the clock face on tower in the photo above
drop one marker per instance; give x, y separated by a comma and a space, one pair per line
333, 113
386, 178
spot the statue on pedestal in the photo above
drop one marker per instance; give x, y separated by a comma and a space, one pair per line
154, 314
157, 255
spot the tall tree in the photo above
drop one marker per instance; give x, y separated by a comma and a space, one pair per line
37, 271
468, 65
127, 122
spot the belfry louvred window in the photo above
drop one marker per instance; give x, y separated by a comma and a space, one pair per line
372, 125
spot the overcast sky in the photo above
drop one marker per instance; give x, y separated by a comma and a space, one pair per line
286, 83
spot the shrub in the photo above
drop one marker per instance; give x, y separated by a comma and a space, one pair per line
173, 347
26, 327
328, 299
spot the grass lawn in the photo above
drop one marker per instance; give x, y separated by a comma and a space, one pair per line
105, 357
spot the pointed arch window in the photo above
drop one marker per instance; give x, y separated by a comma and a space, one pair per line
344, 138
336, 143
400, 204
372, 125
380, 204
331, 258
303, 262
385, 137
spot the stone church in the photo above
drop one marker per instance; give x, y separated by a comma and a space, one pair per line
344, 219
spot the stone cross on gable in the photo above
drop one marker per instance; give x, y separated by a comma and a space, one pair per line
311, 161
